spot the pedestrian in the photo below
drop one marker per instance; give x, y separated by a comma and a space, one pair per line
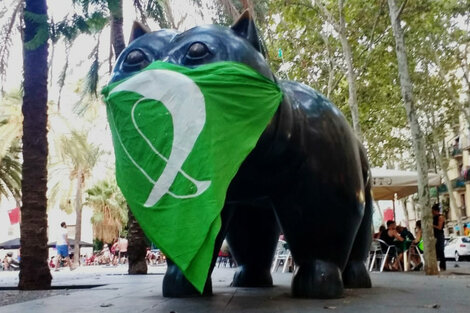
62, 246
466, 230
438, 222
122, 244
115, 252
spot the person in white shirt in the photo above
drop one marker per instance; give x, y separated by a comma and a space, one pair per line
62, 246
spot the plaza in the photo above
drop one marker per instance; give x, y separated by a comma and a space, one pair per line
115, 291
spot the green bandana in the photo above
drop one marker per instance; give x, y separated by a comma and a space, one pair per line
180, 135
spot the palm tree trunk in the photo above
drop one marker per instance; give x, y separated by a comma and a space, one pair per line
78, 219
417, 138
137, 247
117, 35
34, 270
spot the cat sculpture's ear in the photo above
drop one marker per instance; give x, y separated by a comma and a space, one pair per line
245, 27
138, 29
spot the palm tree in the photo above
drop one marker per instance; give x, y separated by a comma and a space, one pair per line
109, 210
78, 159
11, 122
34, 270
7, 31
10, 172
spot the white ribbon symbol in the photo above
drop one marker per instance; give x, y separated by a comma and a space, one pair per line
185, 102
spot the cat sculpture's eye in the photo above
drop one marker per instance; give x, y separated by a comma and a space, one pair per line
197, 50
136, 60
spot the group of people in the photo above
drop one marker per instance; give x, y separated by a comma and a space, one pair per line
114, 256
154, 258
402, 239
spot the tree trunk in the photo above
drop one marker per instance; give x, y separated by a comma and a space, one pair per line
451, 92
78, 218
117, 35
230, 9
450, 188
405, 212
415, 211
382, 222
34, 270
418, 141
340, 27
248, 5
136, 250
352, 100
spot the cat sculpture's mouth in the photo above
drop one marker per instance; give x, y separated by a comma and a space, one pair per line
187, 117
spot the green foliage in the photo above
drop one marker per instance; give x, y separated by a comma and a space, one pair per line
10, 172
90, 86
223, 16
91, 5
71, 27
109, 209
114, 7
42, 30
11, 124
11, 120
76, 159
156, 10
435, 40
313, 55
7, 32
92, 78
77, 151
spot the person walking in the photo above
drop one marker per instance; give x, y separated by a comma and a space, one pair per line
62, 246
466, 230
122, 244
438, 222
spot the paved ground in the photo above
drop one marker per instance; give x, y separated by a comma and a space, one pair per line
392, 292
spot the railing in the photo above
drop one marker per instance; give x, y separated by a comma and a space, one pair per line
457, 183
455, 151
466, 176
455, 146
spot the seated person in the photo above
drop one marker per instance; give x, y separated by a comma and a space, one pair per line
391, 237
150, 257
407, 235
377, 234
104, 257
9, 263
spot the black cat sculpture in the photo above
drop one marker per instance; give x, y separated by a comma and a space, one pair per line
308, 174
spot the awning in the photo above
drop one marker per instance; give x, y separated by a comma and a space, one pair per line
83, 244
15, 244
10, 244
385, 183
